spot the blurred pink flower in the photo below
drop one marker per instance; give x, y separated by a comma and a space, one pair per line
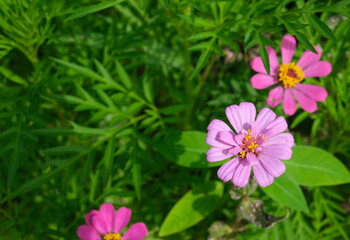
107, 224
258, 143
289, 77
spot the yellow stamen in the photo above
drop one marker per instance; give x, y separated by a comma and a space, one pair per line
112, 236
290, 74
263, 137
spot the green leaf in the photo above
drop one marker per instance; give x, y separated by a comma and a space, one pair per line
186, 148
263, 53
301, 37
64, 150
83, 11
311, 166
136, 171
301, 117
147, 84
107, 160
286, 191
321, 27
107, 76
11, 76
250, 40
171, 110
192, 208
201, 36
203, 59
124, 77
15, 159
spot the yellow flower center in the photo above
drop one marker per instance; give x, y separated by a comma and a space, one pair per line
249, 144
290, 74
112, 236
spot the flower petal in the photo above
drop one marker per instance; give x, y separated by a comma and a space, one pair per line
289, 104
227, 138
309, 58
305, 102
258, 66
219, 125
313, 91
121, 219
248, 114
275, 127
241, 174
262, 81
215, 154
265, 116
252, 159
99, 223
107, 211
282, 138
263, 178
275, 96
214, 141
86, 232
318, 69
226, 171
288, 46
273, 166
89, 216
277, 151
136, 232
234, 115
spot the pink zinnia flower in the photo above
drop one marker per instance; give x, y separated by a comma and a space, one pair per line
258, 143
107, 224
289, 77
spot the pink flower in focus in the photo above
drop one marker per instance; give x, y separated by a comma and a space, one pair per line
258, 143
289, 77
107, 224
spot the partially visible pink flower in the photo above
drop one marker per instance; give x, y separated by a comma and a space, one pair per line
257, 143
289, 77
107, 224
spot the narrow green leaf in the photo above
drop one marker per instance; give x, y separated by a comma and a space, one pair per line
124, 77
201, 36
187, 149
107, 160
147, 84
171, 110
301, 117
321, 27
315, 127
192, 208
15, 158
286, 191
136, 170
83, 11
11, 76
250, 40
107, 76
263, 53
65, 98
88, 131
301, 37
311, 166
200, 46
64, 150
203, 59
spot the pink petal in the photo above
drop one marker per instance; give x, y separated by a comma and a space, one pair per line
255, 129
289, 104
219, 125
217, 154
107, 211
275, 127
263, 178
214, 141
242, 173
258, 66
99, 223
136, 232
305, 102
318, 69
86, 232
121, 219
248, 114
89, 216
275, 96
235, 116
273, 166
262, 81
252, 159
265, 116
288, 46
277, 151
282, 138
226, 171
309, 58
227, 137
313, 91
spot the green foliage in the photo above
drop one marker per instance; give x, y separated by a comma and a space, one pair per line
109, 101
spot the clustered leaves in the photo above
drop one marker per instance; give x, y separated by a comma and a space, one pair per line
108, 101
